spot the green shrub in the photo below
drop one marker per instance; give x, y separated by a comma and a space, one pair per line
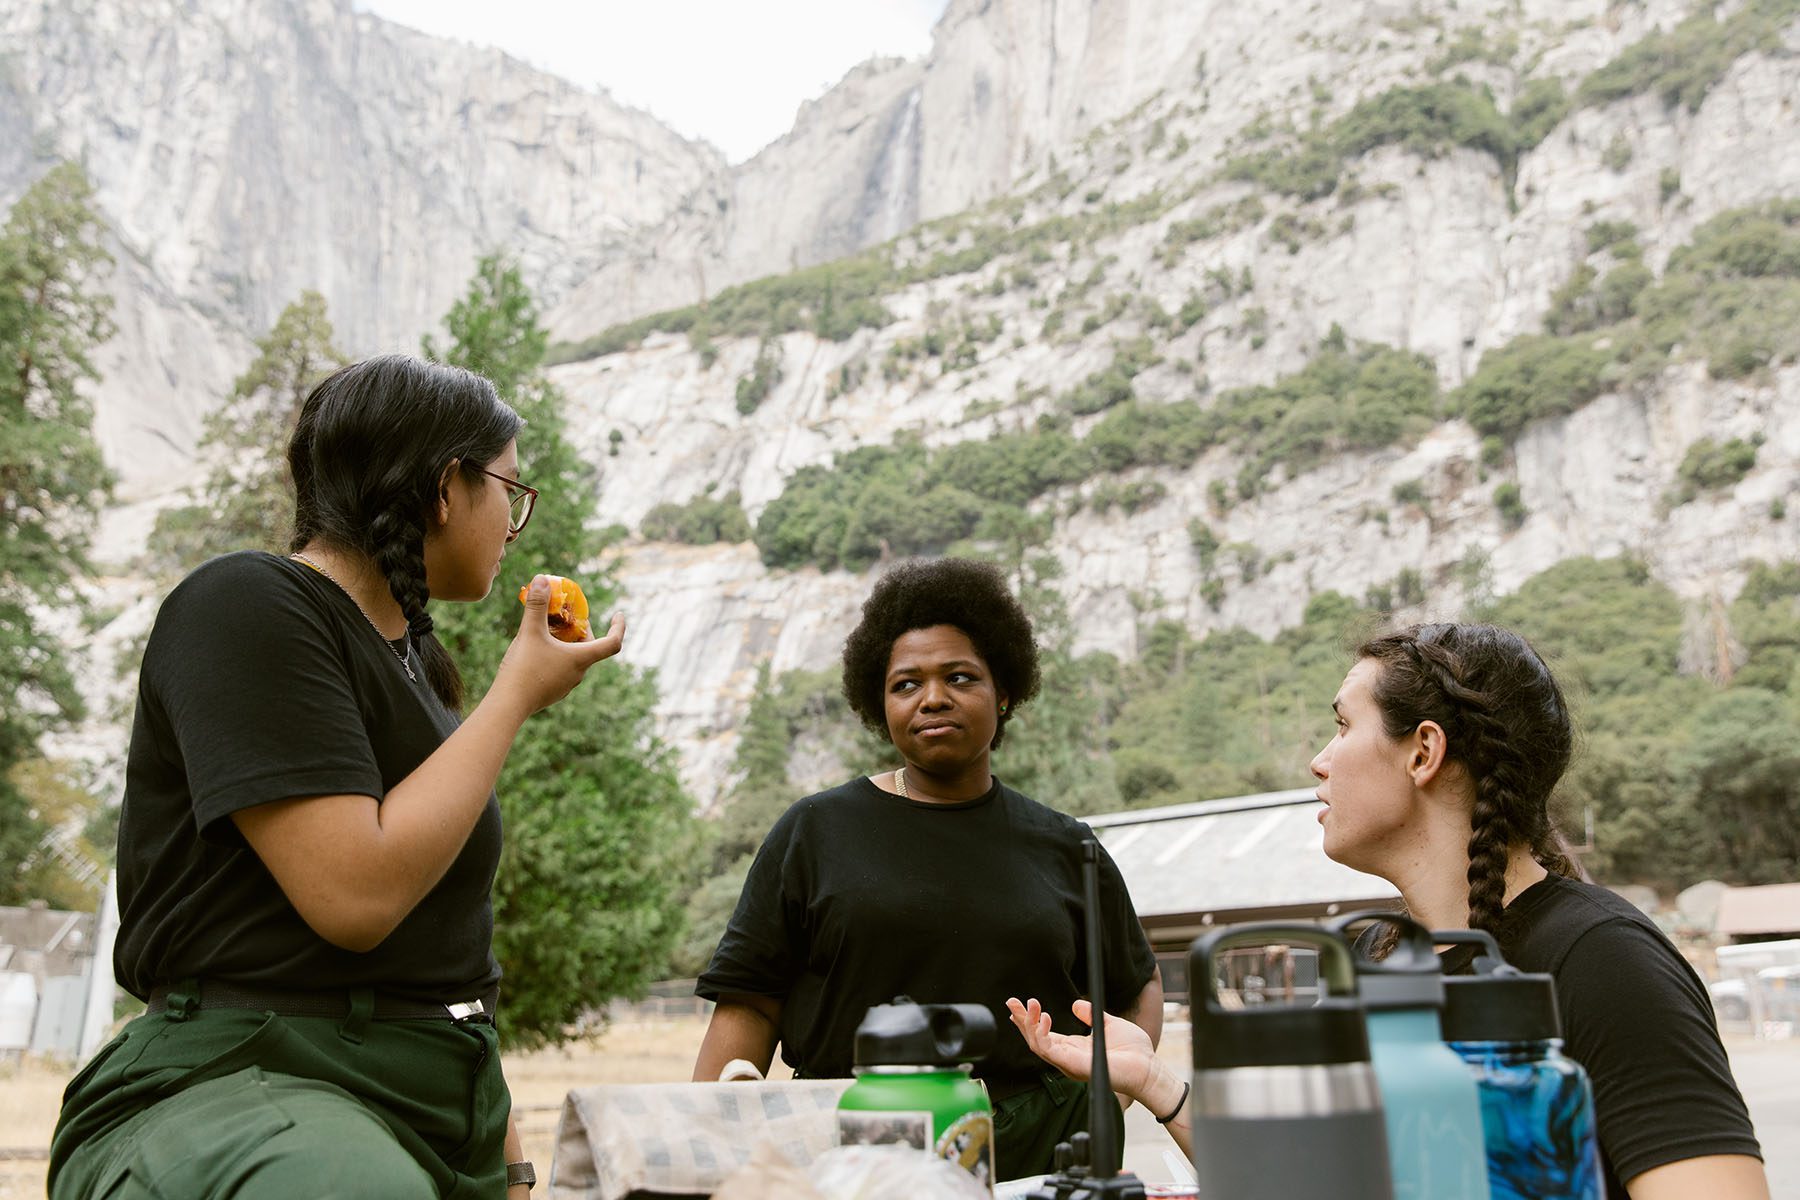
1587, 302
702, 521
905, 499
1471, 45
1426, 120
1342, 400
1409, 587
1754, 243
1111, 384
1681, 65
1607, 235
765, 373
1132, 497
1710, 466
1539, 107
1410, 492
1205, 545
1214, 222
1529, 378
1511, 505
1191, 313
1291, 230
1617, 155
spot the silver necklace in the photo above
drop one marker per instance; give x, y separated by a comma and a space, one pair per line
405, 659
900, 782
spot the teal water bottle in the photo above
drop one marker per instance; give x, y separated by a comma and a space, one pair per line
913, 1085
1434, 1131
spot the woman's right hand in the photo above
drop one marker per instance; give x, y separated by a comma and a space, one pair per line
539, 670
1131, 1063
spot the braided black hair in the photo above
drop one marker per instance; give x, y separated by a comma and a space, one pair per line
370, 446
918, 593
1505, 722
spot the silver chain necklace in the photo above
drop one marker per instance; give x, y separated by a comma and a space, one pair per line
405, 659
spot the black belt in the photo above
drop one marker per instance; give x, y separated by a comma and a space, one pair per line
214, 993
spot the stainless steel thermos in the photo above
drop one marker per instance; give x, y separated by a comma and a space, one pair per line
1285, 1102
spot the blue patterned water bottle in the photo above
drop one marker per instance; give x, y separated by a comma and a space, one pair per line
1537, 1110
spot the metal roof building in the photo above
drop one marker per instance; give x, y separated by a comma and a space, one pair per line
1190, 867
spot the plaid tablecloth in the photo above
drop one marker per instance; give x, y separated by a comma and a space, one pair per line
682, 1139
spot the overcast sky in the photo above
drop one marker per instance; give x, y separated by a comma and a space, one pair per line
729, 71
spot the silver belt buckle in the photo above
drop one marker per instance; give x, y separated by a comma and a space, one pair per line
465, 1009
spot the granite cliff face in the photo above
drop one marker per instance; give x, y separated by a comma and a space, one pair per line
246, 150
1447, 252
1052, 183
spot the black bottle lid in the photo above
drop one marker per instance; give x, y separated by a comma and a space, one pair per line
1411, 976
1499, 1002
924, 1035
1272, 1034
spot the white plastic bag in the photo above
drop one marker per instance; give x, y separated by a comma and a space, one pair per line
890, 1173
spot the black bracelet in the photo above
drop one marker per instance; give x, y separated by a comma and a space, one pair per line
1176, 1111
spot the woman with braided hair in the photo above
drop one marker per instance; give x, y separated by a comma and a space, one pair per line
1450, 740
309, 834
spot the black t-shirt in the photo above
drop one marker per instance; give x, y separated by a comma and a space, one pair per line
1637, 1018
858, 896
262, 681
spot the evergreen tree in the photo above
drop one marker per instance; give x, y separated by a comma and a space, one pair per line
587, 903
249, 500
53, 314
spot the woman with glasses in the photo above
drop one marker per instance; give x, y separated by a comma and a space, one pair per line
309, 834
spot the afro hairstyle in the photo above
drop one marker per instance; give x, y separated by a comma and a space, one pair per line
918, 593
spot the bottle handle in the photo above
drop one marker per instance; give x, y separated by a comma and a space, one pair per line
1336, 968
1414, 953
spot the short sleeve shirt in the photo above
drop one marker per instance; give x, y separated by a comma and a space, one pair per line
263, 681
858, 896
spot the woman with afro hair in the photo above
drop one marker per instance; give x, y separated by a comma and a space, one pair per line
933, 880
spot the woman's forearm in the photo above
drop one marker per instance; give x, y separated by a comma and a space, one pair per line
354, 867
1165, 1092
738, 1030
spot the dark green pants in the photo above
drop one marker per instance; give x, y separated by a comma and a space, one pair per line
1028, 1126
228, 1102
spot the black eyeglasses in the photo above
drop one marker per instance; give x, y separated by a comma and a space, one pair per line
521, 497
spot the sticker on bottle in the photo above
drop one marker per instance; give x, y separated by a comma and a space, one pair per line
969, 1143
865, 1127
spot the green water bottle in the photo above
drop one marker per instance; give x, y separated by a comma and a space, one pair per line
913, 1086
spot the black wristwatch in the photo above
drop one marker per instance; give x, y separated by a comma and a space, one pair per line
521, 1172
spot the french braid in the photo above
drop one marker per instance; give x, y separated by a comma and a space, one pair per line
397, 542
367, 456
1504, 721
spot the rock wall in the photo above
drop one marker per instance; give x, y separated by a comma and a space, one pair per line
245, 150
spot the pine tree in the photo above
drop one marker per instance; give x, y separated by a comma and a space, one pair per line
249, 501
53, 314
588, 898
